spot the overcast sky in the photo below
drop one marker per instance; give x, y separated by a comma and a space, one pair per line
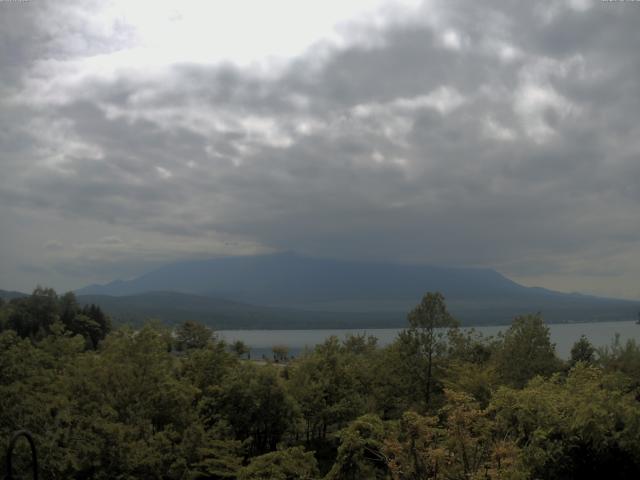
501, 134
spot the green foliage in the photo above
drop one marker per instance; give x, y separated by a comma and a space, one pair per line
34, 317
210, 457
328, 388
424, 342
360, 344
470, 346
99, 319
430, 313
460, 443
526, 351
192, 335
206, 367
360, 452
253, 401
125, 404
578, 427
240, 348
472, 447
290, 464
469, 365
477, 380
624, 358
280, 353
391, 387
582, 351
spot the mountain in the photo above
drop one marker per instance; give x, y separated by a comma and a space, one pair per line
284, 279
9, 295
172, 308
291, 286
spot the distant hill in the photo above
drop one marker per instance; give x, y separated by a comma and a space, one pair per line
305, 292
172, 308
9, 295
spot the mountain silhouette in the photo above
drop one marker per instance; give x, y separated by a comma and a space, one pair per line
292, 286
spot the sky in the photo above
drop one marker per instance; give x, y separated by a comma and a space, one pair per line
496, 133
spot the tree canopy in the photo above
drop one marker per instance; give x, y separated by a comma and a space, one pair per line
154, 402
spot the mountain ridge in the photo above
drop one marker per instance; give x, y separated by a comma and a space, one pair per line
11, 294
297, 287
223, 275
174, 307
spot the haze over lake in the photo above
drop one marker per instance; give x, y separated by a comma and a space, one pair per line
563, 335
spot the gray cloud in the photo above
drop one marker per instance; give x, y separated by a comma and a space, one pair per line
496, 134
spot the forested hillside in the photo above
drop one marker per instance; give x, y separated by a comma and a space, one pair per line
172, 308
435, 404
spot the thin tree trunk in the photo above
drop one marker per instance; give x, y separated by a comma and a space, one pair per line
430, 362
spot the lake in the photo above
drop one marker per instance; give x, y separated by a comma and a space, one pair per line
563, 335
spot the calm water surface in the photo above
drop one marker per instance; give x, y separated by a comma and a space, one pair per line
563, 335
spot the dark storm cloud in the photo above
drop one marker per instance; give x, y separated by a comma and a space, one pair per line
500, 134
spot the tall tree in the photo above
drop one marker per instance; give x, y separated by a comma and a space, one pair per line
33, 316
526, 351
68, 305
582, 351
424, 340
95, 313
190, 335
326, 389
253, 402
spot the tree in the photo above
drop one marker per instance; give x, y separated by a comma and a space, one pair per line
88, 321
206, 367
582, 425
240, 348
280, 352
469, 368
360, 343
622, 357
209, 456
4, 315
192, 335
88, 328
424, 340
33, 316
128, 410
414, 448
69, 308
526, 351
289, 464
327, 389
582, 351
253, 401
360, 452
459, 443
475, 452
95, 313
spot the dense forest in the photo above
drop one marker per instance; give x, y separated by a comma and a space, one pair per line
438, 403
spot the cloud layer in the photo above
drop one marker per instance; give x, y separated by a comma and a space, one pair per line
496, 134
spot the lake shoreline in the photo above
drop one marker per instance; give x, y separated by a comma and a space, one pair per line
378, 327
563, 335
